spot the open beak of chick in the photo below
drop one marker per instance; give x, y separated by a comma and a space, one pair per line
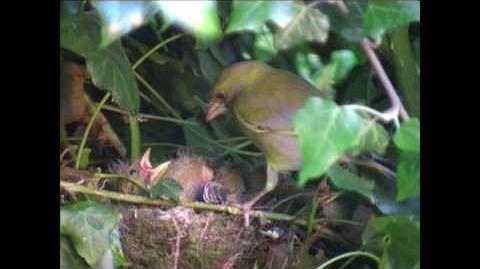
153, 173
214, 110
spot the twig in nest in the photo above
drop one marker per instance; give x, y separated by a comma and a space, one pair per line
177, 243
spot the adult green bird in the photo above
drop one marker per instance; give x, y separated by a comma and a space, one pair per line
264, 101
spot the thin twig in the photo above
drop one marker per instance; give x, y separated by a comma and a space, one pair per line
177, 242
382, 75
397, 106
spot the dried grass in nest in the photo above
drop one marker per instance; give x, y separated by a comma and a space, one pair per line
180, 238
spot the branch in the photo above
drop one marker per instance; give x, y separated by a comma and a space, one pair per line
397, 106
135, 199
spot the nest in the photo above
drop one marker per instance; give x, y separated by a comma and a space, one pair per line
180, 238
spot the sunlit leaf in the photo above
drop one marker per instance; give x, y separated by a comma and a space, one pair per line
110, 70
346, 180
79, 30
199, 17
394, 238
309, 24
252, 15
264, 48
341, 64
88, 225
325, 132
121, 17
116, 248
382, 16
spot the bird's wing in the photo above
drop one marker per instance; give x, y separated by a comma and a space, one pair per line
272, 104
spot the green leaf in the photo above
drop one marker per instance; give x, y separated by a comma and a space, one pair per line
79, 31
373, 137
264, 48
88, 225
116, 248
339, 67
322, 144
121, 17
394, 238
308, 25
349, 27
199, 17
408, 175
110, 70
307, 63
346, 180
209, 66
69, 259
382, 16
166, 188
251, 16
408, 136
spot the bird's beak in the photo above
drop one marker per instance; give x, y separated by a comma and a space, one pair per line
214, 110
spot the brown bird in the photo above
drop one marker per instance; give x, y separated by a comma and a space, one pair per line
263, 101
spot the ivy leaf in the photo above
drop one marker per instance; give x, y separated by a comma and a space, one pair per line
309, 24
79, 30
88, 225
110, 70
349, 27
322, 144
251, 16
166, 188
408, 136
339, 67
407, 139
199, 17
69, 259
408, 175
346, 180
116, 248
394, 238
264, 48
121, 17
373, 137
382, 16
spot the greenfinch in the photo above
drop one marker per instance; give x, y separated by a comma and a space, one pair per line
263, 101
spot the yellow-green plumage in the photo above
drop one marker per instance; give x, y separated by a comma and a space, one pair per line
264, 101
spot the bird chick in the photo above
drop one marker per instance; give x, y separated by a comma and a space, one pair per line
192, 173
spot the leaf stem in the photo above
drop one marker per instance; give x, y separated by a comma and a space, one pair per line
135, 199
350, 254
152, 50
88, 128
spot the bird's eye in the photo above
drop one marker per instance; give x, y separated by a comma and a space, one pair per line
220, 95
133, 172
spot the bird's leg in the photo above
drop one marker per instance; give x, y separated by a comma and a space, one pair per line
272, 180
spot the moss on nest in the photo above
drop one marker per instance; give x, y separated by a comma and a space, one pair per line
207, 240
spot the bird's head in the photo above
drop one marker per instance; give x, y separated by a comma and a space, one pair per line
233, 80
